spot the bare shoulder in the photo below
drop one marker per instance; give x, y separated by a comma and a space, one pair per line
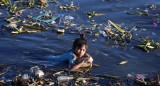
74, 57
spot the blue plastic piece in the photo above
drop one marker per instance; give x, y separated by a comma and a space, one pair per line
61, 15
46, 21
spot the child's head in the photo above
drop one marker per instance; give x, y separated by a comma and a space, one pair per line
80, 46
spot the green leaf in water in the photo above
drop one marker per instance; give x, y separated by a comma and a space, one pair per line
116, 26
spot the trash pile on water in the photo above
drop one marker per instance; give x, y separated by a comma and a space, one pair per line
47, 20
149, 11
144, 79
148, 45
54, 77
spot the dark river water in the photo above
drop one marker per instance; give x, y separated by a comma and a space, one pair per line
22, 49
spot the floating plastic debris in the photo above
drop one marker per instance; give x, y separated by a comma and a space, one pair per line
36, 70
146, 10
141, 76
130, 76
69, 17
25, 77
153, 6
68, 7
11, 25
60, 30
93, 40
39, 73
53, 22
93, 13
61, 15
38, 18
123, 62
153, 33
64, 78
154, 24
103, 33
78, 28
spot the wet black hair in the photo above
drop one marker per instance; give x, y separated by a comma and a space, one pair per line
79, 42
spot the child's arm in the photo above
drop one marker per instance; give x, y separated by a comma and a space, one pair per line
87, 57
90, 59
78, 65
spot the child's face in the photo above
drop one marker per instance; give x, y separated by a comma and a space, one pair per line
80, 51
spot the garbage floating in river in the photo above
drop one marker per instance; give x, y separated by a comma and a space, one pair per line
68, 7
48, 18
111, 31
119, 36
145, 12
147, 45
66, 77
93, 13
57, 77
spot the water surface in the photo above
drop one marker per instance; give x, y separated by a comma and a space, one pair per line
22, 49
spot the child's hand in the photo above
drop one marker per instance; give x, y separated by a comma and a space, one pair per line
87, 55
89, 59
84, 60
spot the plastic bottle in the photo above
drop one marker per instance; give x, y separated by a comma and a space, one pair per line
69, 17
130, 76
141, 76
147, 9
25, 77
65, 78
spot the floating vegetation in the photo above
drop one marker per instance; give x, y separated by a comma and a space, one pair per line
66, 77
147, 80
43, 3
142, 13
68, 7
93, 13
123, 62
147, 45
146, 12
58, 77
14, 7
4, 3
113, 32
47, 21
123, 38
119, 36
25, 28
